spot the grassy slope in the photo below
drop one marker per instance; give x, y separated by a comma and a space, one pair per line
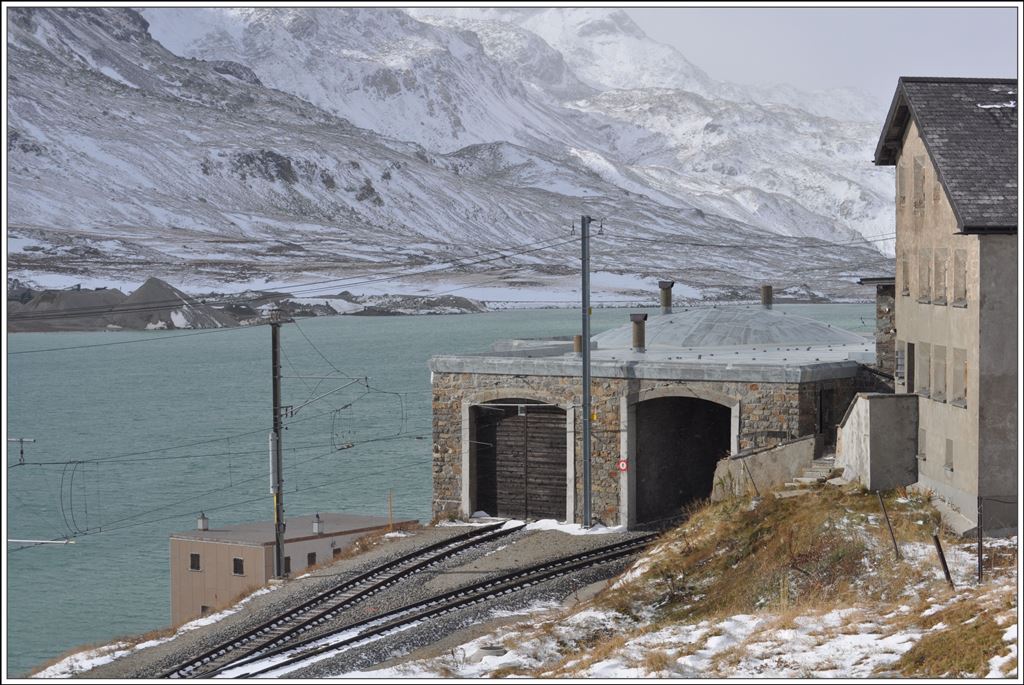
785, 588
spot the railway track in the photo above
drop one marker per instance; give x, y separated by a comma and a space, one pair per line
295, 654
325, 606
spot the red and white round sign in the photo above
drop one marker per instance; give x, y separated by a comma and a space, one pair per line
623, 465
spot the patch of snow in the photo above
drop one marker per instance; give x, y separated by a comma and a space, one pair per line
573, 528
83, 661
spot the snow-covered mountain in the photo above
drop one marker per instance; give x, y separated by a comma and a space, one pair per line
274, 159
570, 79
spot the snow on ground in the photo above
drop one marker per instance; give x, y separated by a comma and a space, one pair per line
91, 658
857, 641
573, 528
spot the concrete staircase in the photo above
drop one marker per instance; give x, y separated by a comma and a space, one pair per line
821, 470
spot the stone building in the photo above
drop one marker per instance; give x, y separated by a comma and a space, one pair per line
885, 322
701, 383
953, 142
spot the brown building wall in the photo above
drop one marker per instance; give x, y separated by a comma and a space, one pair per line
763, 414
214, 585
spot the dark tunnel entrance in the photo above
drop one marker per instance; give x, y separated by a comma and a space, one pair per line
520, 450
679, 440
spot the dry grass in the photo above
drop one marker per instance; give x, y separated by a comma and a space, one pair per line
657, 661
961, 649
731, 558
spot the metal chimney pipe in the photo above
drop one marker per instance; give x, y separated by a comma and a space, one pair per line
666, 296
639, 332
318, 525
202, 523
577, 344
766, 296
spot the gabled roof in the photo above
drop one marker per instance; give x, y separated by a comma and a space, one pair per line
969, 127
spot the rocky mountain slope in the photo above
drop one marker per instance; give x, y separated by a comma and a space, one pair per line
220, 172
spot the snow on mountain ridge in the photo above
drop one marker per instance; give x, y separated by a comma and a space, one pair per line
205, 178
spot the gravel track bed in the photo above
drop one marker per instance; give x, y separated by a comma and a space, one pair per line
153, 661
513, 551
391, 648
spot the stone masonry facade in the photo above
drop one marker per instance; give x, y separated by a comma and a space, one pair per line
769, 413
885, 327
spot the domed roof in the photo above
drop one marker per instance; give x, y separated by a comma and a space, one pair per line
726, 326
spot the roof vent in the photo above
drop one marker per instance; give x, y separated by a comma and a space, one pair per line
639, 332
202, 523
666, 296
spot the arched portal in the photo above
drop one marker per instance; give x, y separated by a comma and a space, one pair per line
518, 449
679, 440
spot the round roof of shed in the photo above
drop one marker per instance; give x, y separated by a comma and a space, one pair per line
729, 326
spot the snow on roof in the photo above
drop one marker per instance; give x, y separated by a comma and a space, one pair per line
708, 327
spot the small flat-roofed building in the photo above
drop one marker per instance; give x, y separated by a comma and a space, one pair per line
211, 567
699, 384
953, 142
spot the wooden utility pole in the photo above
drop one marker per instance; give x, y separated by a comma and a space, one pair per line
276, 445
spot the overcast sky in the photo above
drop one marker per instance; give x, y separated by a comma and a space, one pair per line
862, 47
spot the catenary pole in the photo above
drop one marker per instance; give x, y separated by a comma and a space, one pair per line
585, 258
276, 438
21, 447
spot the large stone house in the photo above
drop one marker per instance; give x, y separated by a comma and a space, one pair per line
953, 142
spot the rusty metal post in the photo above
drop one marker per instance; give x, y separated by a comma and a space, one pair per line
895, 547
766, 296
981, 534
577, 344
942, 560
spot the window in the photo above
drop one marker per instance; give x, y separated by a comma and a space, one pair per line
911, 366
939, 373
337, 552
287, 565
193, 562
958, 384
901, 184
924, 275
959, 278
949, 455
924, 369
311, 559
922, 444
905, 274
941, 265
919, 196
901, 360
238, 566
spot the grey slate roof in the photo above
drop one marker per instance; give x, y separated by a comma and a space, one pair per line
969, 127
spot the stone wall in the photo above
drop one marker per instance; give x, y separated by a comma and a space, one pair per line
769, 413
764, 471
885, 327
